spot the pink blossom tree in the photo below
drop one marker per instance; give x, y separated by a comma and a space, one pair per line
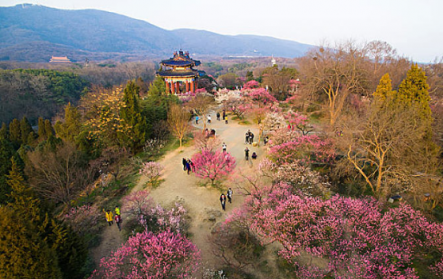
308, 149
145, 213
354, 238
263, 103
153, 171
252, 84
299, 121
213, 164
151, 256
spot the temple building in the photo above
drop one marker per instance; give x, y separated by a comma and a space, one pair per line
179, 74
61, 59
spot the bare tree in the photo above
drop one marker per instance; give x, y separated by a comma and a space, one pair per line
178, 119
388, 149
200, 105
59, 175
333, 74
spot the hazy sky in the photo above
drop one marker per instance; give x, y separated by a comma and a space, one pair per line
414, 28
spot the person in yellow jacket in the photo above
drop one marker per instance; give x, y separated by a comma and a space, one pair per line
117, 210
109, 216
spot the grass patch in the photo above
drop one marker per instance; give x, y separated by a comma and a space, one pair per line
244, 122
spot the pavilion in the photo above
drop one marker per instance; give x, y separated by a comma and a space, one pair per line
59, 59
179, 70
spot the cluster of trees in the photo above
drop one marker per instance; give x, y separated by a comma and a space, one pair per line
37, 93
52, 166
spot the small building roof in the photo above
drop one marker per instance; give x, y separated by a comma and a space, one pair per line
180, 59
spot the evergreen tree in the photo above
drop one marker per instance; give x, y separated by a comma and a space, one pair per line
23, 252
157, 87
72, 124
6, 153
15, 133
384, 90
414, 91
41, 129
66, 250
48, 128
249, 76
25, 129
130, 114
4, 131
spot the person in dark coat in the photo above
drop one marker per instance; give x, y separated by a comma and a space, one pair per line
223, 201
184, 162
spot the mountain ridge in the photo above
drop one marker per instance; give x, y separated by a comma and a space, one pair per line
97, 34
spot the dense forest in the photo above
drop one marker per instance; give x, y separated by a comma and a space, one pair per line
346, 129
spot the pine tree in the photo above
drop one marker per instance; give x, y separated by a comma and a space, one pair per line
27, 254
4, 131
23, 252
72, 124
384, 90
157, 87
48, 128
414, 91
6, 153
41, 129
15, 133
131, 117
66, 250
25, 129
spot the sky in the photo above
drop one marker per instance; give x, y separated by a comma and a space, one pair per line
414, 28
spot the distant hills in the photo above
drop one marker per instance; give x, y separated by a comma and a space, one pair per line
34, 33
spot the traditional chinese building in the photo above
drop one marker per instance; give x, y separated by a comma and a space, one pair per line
179, 74
62, 59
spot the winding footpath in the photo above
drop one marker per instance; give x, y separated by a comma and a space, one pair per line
200, 201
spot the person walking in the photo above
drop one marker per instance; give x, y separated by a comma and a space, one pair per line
226, 119
196, 119
118, 221
247, 153
188, 165
229, 194
209, 119
224, 147
223, 201
218, 116
184, 162
224, 114
117, 210
109, 216
247, 137
251, 138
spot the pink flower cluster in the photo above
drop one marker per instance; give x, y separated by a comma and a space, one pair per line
186, 97
140, 206
151, 256
308, 148
213, 164
252, 84
355, 238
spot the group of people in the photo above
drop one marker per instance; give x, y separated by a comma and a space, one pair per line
249, 137
253, 156
188, 165
223, 198
110, 217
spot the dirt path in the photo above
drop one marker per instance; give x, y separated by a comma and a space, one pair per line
201, 202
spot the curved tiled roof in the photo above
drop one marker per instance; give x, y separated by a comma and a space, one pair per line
172, 62
171, 73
